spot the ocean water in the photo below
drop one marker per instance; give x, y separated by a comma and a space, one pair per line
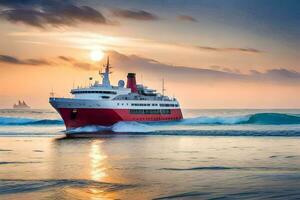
211, 154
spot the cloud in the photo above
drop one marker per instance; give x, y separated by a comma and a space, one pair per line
17, 61
43, 13
140, 65
187, 18
87, 39
60, 60
152, 68
67, 59
283, 72
78, 64
276, 74
135, 14
246, 50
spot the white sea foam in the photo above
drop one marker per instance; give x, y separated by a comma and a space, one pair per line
229, 120
88, 129
120, 127
129, 127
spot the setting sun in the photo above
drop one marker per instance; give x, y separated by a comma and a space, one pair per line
96, 55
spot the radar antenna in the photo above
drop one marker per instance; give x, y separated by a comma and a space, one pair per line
163, 87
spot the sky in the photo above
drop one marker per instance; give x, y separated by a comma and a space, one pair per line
211, 53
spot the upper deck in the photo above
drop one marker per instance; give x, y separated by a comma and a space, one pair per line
132, 92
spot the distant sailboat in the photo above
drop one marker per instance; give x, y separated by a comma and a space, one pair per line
21, 105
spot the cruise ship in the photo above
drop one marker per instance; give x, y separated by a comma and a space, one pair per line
104, 104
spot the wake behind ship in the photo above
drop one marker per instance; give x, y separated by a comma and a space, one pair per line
105, 104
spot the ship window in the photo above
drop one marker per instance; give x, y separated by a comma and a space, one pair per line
149, 111
105, 97
74, 113
166, 105
101, 92
165, 111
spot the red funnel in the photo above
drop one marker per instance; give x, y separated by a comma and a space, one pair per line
131, 82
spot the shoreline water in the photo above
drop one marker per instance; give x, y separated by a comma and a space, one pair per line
149, 167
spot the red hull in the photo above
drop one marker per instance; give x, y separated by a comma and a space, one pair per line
105, 117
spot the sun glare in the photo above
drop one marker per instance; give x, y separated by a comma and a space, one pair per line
96, 55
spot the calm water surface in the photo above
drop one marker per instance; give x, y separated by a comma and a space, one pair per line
147, 167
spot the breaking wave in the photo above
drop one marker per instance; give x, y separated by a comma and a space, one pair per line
183, 127
16, 121
258, 118
273, 119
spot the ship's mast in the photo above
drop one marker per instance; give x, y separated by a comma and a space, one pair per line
163, 87
105, 75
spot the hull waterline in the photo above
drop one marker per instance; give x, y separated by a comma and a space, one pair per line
74, 118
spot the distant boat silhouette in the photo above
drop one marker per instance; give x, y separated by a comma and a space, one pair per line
21, 105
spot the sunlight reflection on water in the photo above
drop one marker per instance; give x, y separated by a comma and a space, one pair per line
97, 171
97, 158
